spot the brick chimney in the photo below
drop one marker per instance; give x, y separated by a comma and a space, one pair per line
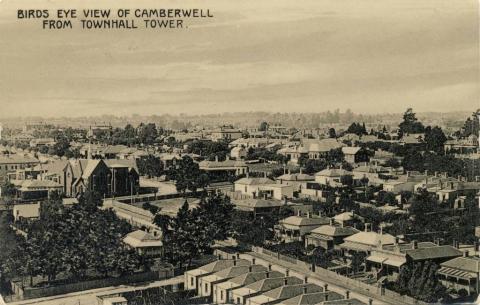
414, 244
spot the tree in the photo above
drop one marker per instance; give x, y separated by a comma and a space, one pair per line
150, 166
263, 126
332, 133
420, 281
188, 176
357, 128
410, 124
435, 139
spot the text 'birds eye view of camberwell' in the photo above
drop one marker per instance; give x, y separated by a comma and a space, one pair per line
263, 153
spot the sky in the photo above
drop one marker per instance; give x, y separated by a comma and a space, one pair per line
369, 56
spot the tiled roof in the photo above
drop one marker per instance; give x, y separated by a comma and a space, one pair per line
469, 264
333, 172
289, 291
305, 221
333, 231
254, 181
371, 239
433, 252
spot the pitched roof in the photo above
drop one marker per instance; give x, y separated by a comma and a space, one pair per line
469, 264
253, 277
433, 252
370, 238
256, 203
140, 239
271, 283
296, 177
289, 291
90, 168
350, 150
237, 270
333, 172
312, 298
254, 181
305, 221
334, 231
223, 264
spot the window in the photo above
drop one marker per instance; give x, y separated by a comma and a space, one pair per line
221, 295
191, 281
238, 301
206, 287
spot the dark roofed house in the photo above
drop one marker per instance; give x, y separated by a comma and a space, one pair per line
241, 295
294, 228
328, 236
461, 273
283, 293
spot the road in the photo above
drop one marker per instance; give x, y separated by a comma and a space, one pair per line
89, 297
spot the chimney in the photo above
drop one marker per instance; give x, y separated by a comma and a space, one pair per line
264, 174
367, 225
216, 158
238, 255
325, 287
248, 174
234, 262
396, 240
475, 246
414, 244
465, 253
305, 289
347, 294
436, 174
299, 213
309, 215
331, 221
253, 261
370, 301
270, 267
287, 272
305, 280
326, 297
250, 268
285, 281
219, 257
267, 274
301, 170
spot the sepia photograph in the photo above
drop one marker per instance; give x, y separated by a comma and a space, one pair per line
243, 152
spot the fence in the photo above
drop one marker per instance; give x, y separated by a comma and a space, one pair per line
29, 292
376, 291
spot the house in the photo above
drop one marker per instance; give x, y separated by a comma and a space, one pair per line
226, 133
398, 186
28, 190
354, 155
331, 176
238, 153
244, 294
26, 210
328, 236
193, 277
294, 228
257, 206
42, 142
223, 290
386, 260
461, 273
223, 170
251, 186
144, 243
10, 163
318, 149
366, 241
207, 283
297, 180
348, 218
